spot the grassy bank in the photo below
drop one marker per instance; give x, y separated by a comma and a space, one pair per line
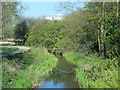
6, 49
95, 72
27, 70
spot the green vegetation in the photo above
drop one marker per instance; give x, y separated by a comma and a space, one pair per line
11, 14
89, 37
5, 49
95, 72
1, 40
91, 29
27, 70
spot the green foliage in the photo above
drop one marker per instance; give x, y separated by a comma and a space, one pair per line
44, 32
95, 72
7, 49
104, 21
21, 30
27, 69
8, 31
11, 13
92, 29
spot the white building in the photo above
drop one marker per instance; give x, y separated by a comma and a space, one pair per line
54, 17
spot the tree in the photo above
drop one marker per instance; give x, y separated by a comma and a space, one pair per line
100, 32
11, 13
44, 32
92, 29
106, 12
21, 30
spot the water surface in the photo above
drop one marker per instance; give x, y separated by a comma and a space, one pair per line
62, 76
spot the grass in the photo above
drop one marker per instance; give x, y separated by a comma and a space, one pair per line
0, 76
6, 49
95, 72
3, 40
26, 70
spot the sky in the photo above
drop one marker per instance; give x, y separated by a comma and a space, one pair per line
40, 9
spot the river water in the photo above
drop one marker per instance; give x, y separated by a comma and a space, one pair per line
62, 76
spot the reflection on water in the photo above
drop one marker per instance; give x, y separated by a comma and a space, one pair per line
62, 76
52, 84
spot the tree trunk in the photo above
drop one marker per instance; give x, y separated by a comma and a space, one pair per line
101, 33
99, 47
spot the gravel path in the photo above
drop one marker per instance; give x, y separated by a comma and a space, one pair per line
20, 50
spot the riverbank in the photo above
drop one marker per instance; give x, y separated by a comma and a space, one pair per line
95, 72
27, 69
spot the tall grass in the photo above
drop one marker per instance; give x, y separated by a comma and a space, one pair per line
27, 70
95, 72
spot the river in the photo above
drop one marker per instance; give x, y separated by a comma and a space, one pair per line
62, 76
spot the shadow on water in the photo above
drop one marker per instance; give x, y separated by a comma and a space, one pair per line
62, 76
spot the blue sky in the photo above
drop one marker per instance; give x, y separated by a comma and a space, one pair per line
39, 9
